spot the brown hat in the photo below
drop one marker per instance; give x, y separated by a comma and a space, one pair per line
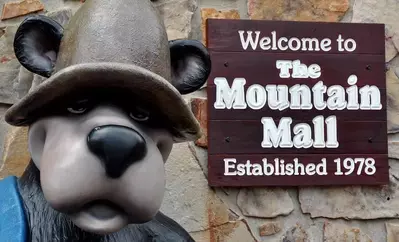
111, 44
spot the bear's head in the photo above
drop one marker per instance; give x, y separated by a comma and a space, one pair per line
103, 122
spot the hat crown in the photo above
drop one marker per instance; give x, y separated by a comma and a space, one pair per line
120, 31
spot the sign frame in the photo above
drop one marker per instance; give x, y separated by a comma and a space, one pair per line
361, 134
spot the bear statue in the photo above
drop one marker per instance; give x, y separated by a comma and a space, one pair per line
102, 124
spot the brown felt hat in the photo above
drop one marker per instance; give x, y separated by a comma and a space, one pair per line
111, 44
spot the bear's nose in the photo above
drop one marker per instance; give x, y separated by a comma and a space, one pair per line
117, 147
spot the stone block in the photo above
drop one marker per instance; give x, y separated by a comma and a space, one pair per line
392, 232
62, 15
296, 234
390, 50
354, 202
188, 199
235, 231
299, 10
20, 8
15, 80
177, 16
394, 64
393, 146
3, 132
215, 14
15, 154
264, 202
380, 11
337, 232
392, 82
269, 228
11, 89
201, 155
199, 107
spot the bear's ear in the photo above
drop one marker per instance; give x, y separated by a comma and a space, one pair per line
191, 65
36, 44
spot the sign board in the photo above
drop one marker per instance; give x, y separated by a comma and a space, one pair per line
296, 103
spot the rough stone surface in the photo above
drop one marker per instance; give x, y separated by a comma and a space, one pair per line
393, 146
337, 232
62, 16
269, 229
11, 88
392, 82
50, 6
300, 10
201, 155
392, 232
295, 234
381, 11
216, 14
177, 16
394, 65
236, 231
233, 214
188, 198
264, 202
3, 132
15, 154
390, 50
354, 202
2, 31
199, 108
26, 78
16, 81
20, 8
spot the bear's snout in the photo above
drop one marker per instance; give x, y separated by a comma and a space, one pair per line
117, 147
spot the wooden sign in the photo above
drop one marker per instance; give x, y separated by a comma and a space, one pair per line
296, 103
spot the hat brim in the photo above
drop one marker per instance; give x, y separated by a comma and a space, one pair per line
141, 83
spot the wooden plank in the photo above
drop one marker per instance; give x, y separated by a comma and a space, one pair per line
261, 68
245, 137
217, 168
222, 35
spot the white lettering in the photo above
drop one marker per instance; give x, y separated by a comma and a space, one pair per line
277, 97
336, 100
318, 95
300, 97
276, 137
265, 43
284, 67
249, 40
303, 136
228, 166
353, 103
370, 98
256, 96
325, 44
227, 97
310, 42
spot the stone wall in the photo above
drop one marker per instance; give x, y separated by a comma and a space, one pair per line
350, 213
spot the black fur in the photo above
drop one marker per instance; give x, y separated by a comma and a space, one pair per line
47, 224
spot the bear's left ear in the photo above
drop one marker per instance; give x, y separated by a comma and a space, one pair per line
36, 44
191, 65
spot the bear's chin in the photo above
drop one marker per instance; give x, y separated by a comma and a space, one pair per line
100, 218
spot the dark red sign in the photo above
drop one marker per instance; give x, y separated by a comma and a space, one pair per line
296, 103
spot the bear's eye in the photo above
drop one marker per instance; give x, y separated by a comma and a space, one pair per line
139, 114
79, 107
